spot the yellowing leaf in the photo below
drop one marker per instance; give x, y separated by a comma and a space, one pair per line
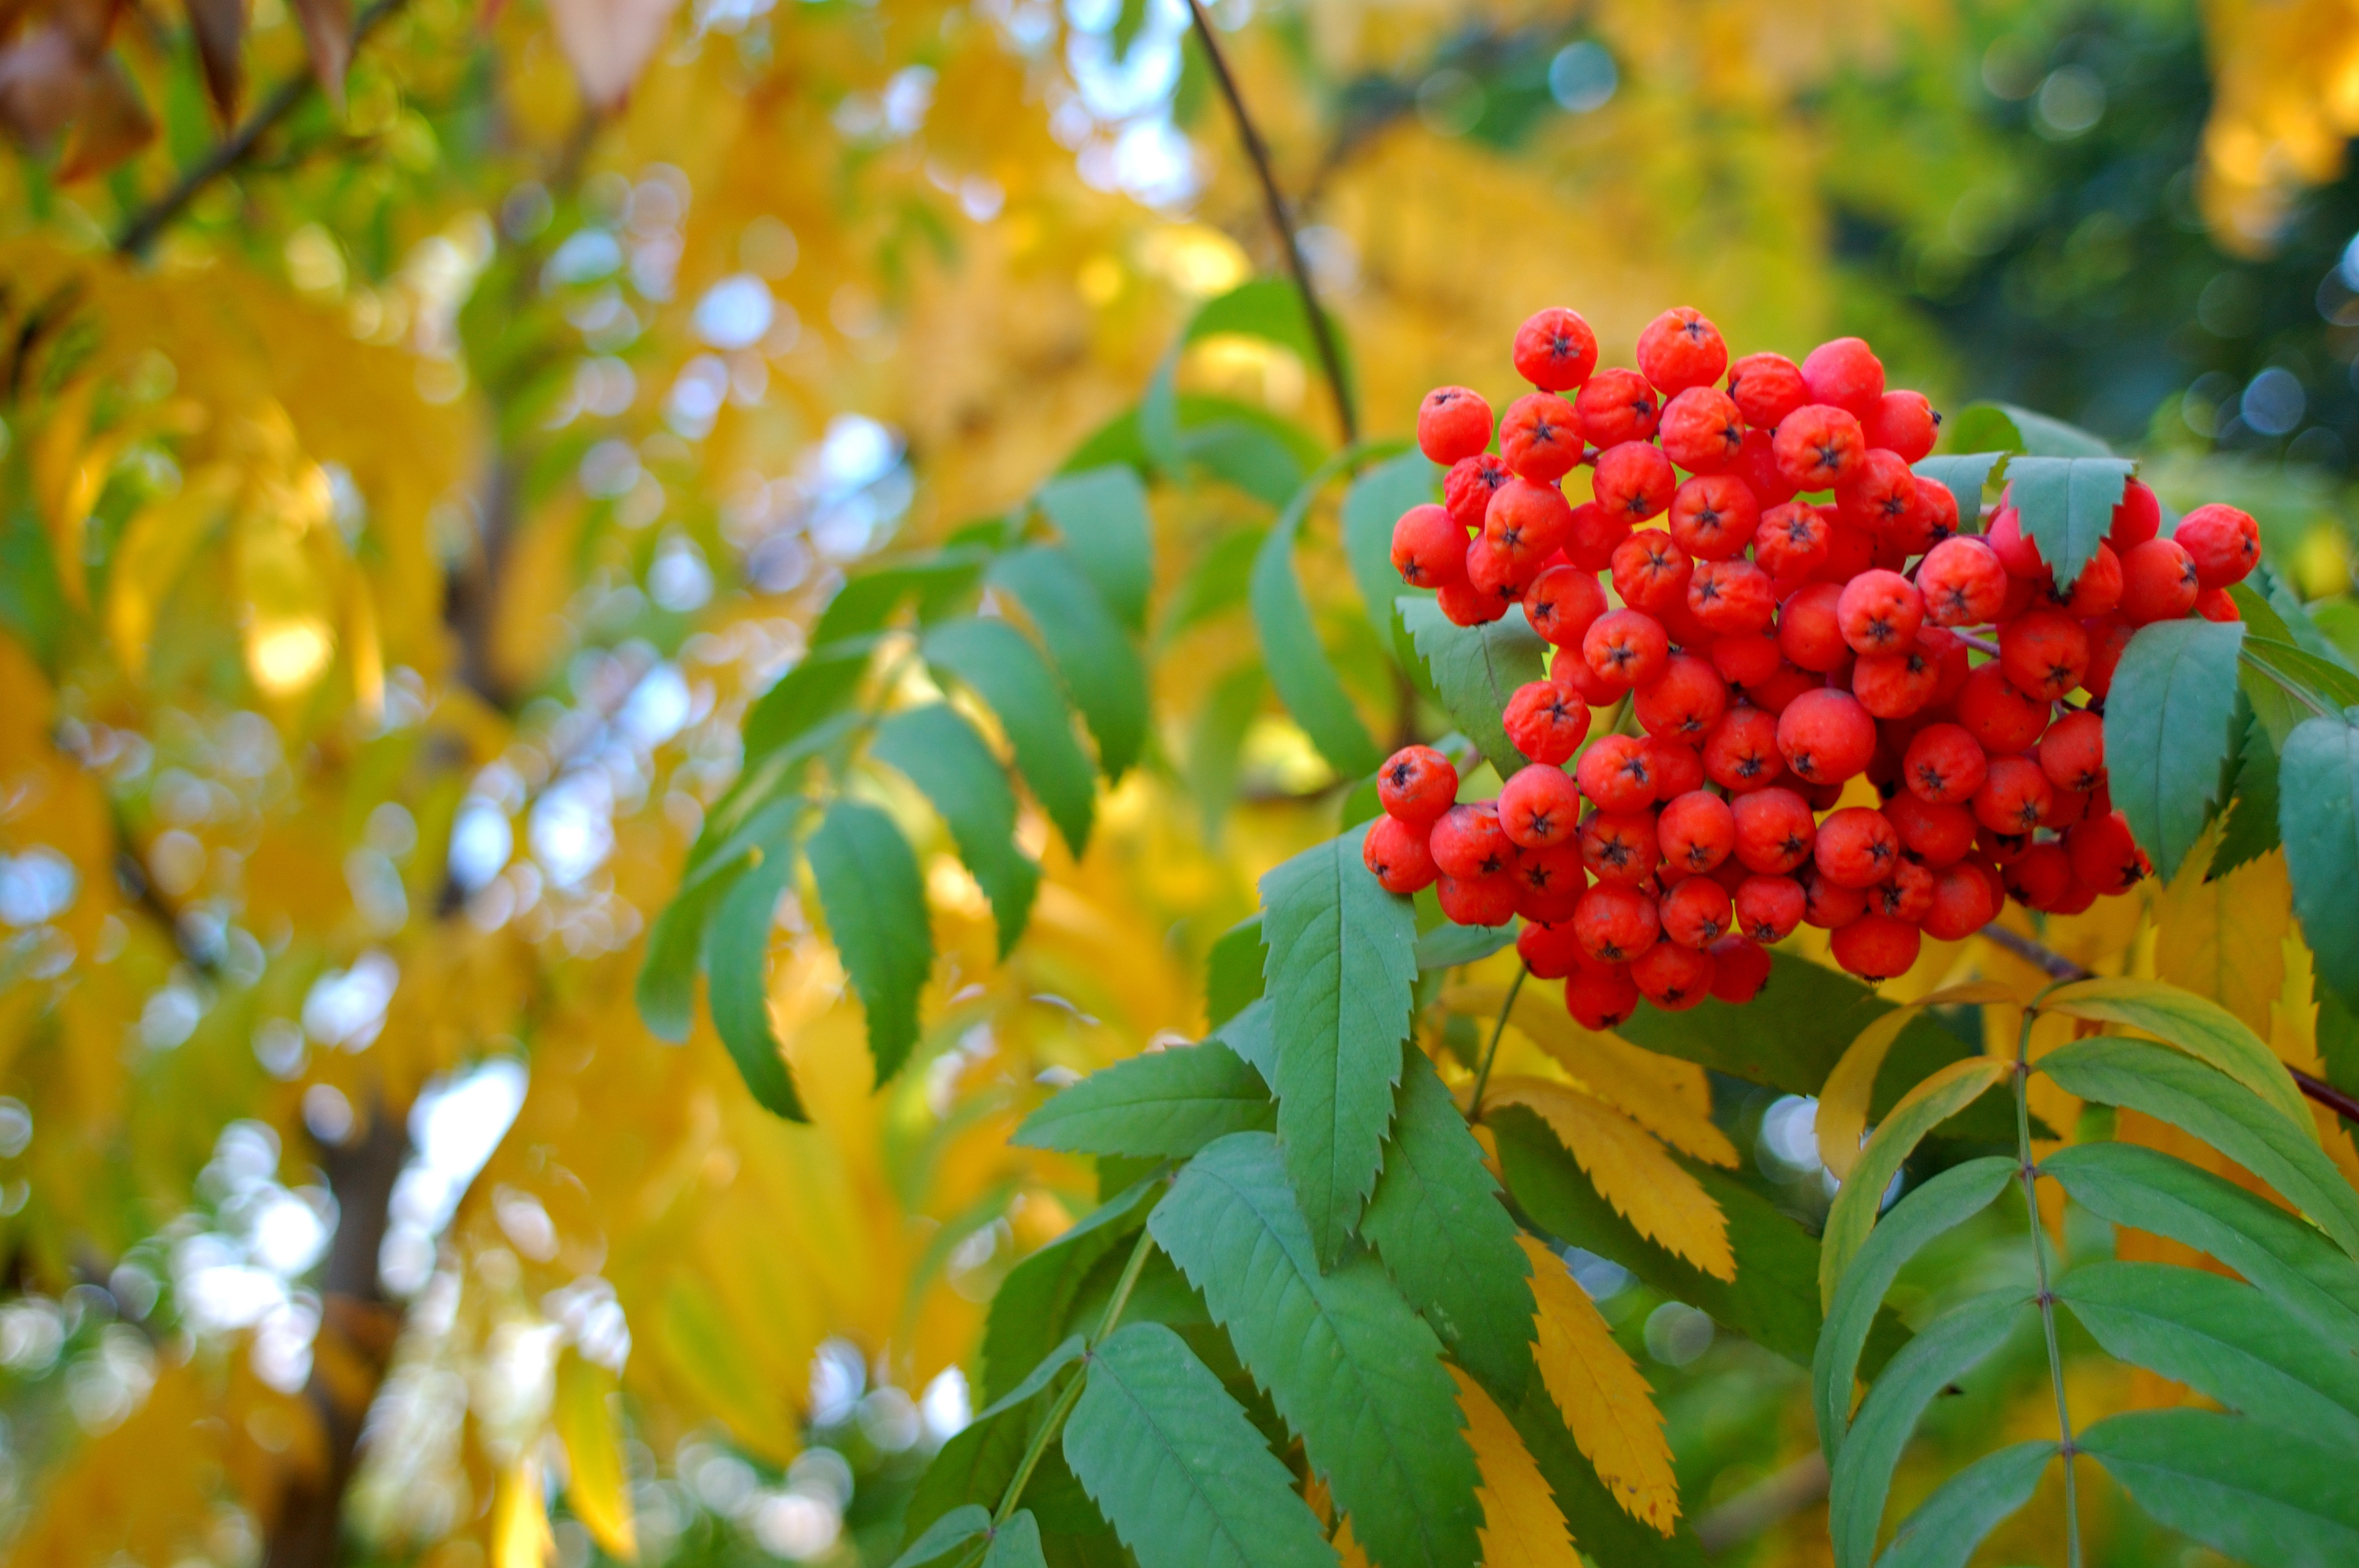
2224, 939
1631, 1171
1605, 1400
596, 1484
520, 1536
1849, 1090
1520, 1522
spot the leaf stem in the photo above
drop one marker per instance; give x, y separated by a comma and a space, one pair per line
1491, 1055
1072, 1394
2047, 1295
1331, 359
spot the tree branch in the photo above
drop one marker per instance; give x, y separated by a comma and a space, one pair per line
146, 225
1321, 333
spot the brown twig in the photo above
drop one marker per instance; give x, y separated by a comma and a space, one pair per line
1777, 1495
1331, 359
234, 149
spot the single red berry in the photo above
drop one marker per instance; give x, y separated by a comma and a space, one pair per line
1617, 774
2000, 718
1555, 350
1463, 604
2137, 519
2217, 604
1428, 549
1478, 901
1539, 806
2014, 795
1546, 721
1697, 913
1635, 481
1846, 374
1879, 495
1962, 903
1775, 829
2224, 543
1817, 446
2096, 591
1850, 551
2073, 753
1467, 488
1791, 542
1570, 669
1650, 571
1561, 603
1549, 949
1745, 659
2041, 876
1615, 923
1774, 694
1626, 648
1944, 766
1756, 465
1696, 832
1856, 846
1828, 904
1714, 516
1527, 523
1810, 630
1701, 431
1540, 436
1934, 519
1468, 841
1620, 846
1766, 388
1741, 752
1963, 582
1416, 785
2160, 582
1453, 422
1879, 613
1677, 765
1939, 834
1877, 947
1731, 598
1953, 659
1740, 968
1550, 883
1397, 855
1999, 849
1594, 535
2017, 551
1905, 423
1502, 567
2104, 856
1826, 736
1616, 405
1684, 702
1769, 908
1895, 685
1673, 977
1599, 999
1908, 894
1679, 349
2043, 653
2066, 807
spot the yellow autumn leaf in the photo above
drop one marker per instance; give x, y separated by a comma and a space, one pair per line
520, 1534
597, 1487
1631, 1171
1850, 1089
2224, 939
1605, 1400
1520, 1522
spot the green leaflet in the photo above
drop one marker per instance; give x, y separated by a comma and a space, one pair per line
2277, 709
2252, 830
1034, 1305
1340, 970
1371, 507
1248, 1034
1242, 447
1100, 667
738, 950
1008, 672
1437, 1221
1964, 474
2321, 675
1981, 426
1233, 969
865, 603
1447, 947
1925, 1107
979, 1461
1015, 1544
1216, 743
1177, 1468
1476, 669
1601, 1529
665, 992
2066, 504
1291, 652
940, 753
956, 1528
2197, 1025
875, 904
2318, 819
2221, 1338
820, 685
2264, 1496
2295, 622
2167, 730
1949, 1525
1944, 1351
1167, 1103
1352, 1368
1941, 1204
2191, 1096
2283, 1256
1102, 513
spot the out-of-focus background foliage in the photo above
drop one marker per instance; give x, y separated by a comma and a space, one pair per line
392, 543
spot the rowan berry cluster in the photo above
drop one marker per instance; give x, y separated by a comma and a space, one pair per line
1798, 610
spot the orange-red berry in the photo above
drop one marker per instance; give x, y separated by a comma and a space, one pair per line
1697, 913
1541, 806
1453, 422
2224, 543
1617, 773
1817, 446
1468, 841
1701, 431
1826, 736
1601, 999
1428, 549
1877, 947
1555, 350
1416, 785
1903, 422
1616, 405
1396, 854
1546, 721
1775, 829
1846, 374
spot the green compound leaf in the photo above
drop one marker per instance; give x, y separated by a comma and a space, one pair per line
1008, 672
1032, 1311
2264, 1496
876, 902
2221, 1338
738, 956
1164, 1104
1177, 1468
940, 753
665, 992
2215, 1107
1249, 1035
822, 685
1476, 669
867, 600
2252, 830
1352, 1368
977, 1463
2066, 506
1949, 1525
2167, 730
1964, 474
956, 1528
1923, 1108
1437, 1221
2318, 816
1100, 667
1944, 1351
1340, 968
1940, 1205
2004, 426
2321, 675
1371, 507
1233, 969
1296, 662
1447, 947
1102, 513
2197, 1025
1015, 1544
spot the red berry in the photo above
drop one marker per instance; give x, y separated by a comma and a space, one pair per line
1951, 653
1679, 349
1935, 518
1791, 542
1616, 924
1478, 901
1539, 806
1428, 549
1697, 913
1550, 883
1941, 835
1877, 947
1879, 495
2073, 753
1745, 659
1650, 571
1701, 431
1620, 847
1501, 567
2224, 543
1944, 766
1846, 374
1828, 904
1453, 422
2001, 719
1850, 551
1465, 605
2017, 551
1826, 736
1879, 613
2217, 604
1817, 446
1756, 465
1561, 603
1468, 841
1740, 751
1963, 582
2044, 653
1601, 999
1714, 516
1963, 903
1731, 598
2137, 519
2041, 876
1634, 481
1774, 694
1626, 648
2096, 591
2104, 856
1570, 669
1676, 764
1766, 388
1540, 436
1769, 908
1856, 846
1467, 488
1416, 785
1696, 832
1616, 405
1673, 977
1905, 423
1908, 894
1546, 721
1617, 774
1775, 829
1684, 702
1397, 856
1549, 949
1740, 968
2066, 807
2160, 582
1527, 523
1895, 685
1594, 535
1810, 631
1555, 350
2014, 795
